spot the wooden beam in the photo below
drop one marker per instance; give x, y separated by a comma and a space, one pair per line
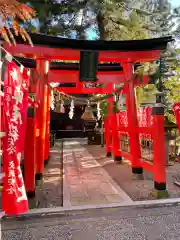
72, 76
74, 90
49, 53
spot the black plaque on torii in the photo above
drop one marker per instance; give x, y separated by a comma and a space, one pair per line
88, 66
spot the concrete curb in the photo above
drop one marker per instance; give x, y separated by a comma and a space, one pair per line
68, 211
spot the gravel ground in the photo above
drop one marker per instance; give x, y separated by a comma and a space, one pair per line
161, 223
50, 193
137, 189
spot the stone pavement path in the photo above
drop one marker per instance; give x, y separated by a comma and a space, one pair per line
50, 193
85, 181
161, 223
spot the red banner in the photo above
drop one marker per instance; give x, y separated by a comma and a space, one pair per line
144, 119
14, 199
176, 109
25, 86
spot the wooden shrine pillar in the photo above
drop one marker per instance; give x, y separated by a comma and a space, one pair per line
111, 130
115, 138
47, 138
41, 118
107, 134
37, 126
159, 148
108, 127
30, 142
132, 118
115, 131
29, 153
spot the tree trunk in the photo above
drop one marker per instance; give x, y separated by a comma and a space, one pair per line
101, 28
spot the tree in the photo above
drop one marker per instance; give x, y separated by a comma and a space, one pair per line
111, 19
106, 17
61, 18
11, 12
171, 83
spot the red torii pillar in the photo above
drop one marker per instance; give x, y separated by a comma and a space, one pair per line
37, 126
112, 134
47, 138
109, 130
107, 134
41, 117
108, 125
159, 149
115, 134
30, 143
137, 169
29, 153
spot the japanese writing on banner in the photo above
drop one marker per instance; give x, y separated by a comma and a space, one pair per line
144, 119
176, 109
14, 199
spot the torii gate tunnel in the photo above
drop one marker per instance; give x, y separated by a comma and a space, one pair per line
127, 53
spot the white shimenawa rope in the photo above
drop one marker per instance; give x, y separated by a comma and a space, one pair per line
98, 111
71, 112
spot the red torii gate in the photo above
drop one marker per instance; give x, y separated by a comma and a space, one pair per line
127, 53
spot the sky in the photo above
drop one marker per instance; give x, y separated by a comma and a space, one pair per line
175, 3
91, 35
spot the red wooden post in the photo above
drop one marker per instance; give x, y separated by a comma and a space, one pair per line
34, 90
29, 154
159, 148
108, 124
115, 138
37, 143
109, 128
107, 136
114, 127
132, 121
37, 127
47, 138
41, 119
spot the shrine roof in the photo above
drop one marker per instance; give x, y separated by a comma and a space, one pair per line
56, 48
99, 45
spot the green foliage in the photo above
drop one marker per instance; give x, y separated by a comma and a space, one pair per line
114, 20
172, 88
57, 17
122, 27
137, 19
104, 108
145, 93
